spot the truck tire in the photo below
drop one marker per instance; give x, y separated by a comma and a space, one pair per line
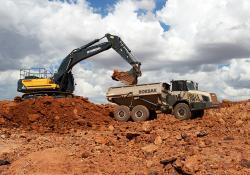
198, 113
182, 111
140, 113
122, 113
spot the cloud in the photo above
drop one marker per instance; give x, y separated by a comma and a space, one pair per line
204, 36
15, 46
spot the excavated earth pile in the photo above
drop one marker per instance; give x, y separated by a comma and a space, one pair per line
49, 114
73, 136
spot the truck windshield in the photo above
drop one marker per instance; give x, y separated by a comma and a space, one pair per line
191, 86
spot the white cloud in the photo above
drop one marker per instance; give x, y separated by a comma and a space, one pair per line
145, 4
203, 36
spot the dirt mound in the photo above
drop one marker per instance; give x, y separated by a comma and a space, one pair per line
229, 103
47, 113
218, 143
49, 161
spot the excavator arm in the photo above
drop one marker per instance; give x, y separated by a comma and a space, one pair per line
121, 48
64, 77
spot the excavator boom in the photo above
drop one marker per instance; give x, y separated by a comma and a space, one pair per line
64, 77
63, 81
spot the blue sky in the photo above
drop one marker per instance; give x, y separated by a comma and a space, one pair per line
103, 7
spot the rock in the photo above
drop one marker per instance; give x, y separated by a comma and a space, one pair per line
184, 136
239, 122
201, 133
228, 138
89, 124
17, 99
191, 164
152, 172
47, 102
4, 162
85, 155
208, 142
81, 122
222, 121
149, 163
149, 148
202, 144
22, 136
57, 117
131, 136
34, 127
2, 121
146, 127
158, 140
33, 117
177, 164
111, 128
179, 137
245, 163
3, 136
167, 161
101, 139
75, 111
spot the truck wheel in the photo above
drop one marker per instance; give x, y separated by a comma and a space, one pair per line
122, 113
198, 113
140, 113
182, 111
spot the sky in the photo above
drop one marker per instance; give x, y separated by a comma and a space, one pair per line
205, 41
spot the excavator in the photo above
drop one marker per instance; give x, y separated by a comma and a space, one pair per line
61, 83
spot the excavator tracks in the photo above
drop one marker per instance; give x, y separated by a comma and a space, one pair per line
56, 94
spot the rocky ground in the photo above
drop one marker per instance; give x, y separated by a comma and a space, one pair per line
74, 137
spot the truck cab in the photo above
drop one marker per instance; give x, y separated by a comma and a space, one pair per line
183, 85
188, 89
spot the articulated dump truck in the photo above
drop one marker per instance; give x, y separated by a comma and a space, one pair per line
139, 102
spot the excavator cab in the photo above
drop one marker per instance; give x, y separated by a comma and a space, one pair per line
35, 79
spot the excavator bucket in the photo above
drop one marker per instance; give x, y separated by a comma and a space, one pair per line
127, 78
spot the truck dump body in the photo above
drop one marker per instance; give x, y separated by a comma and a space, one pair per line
138, 90
153, 95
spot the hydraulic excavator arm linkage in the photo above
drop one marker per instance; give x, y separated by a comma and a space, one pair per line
63, 80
